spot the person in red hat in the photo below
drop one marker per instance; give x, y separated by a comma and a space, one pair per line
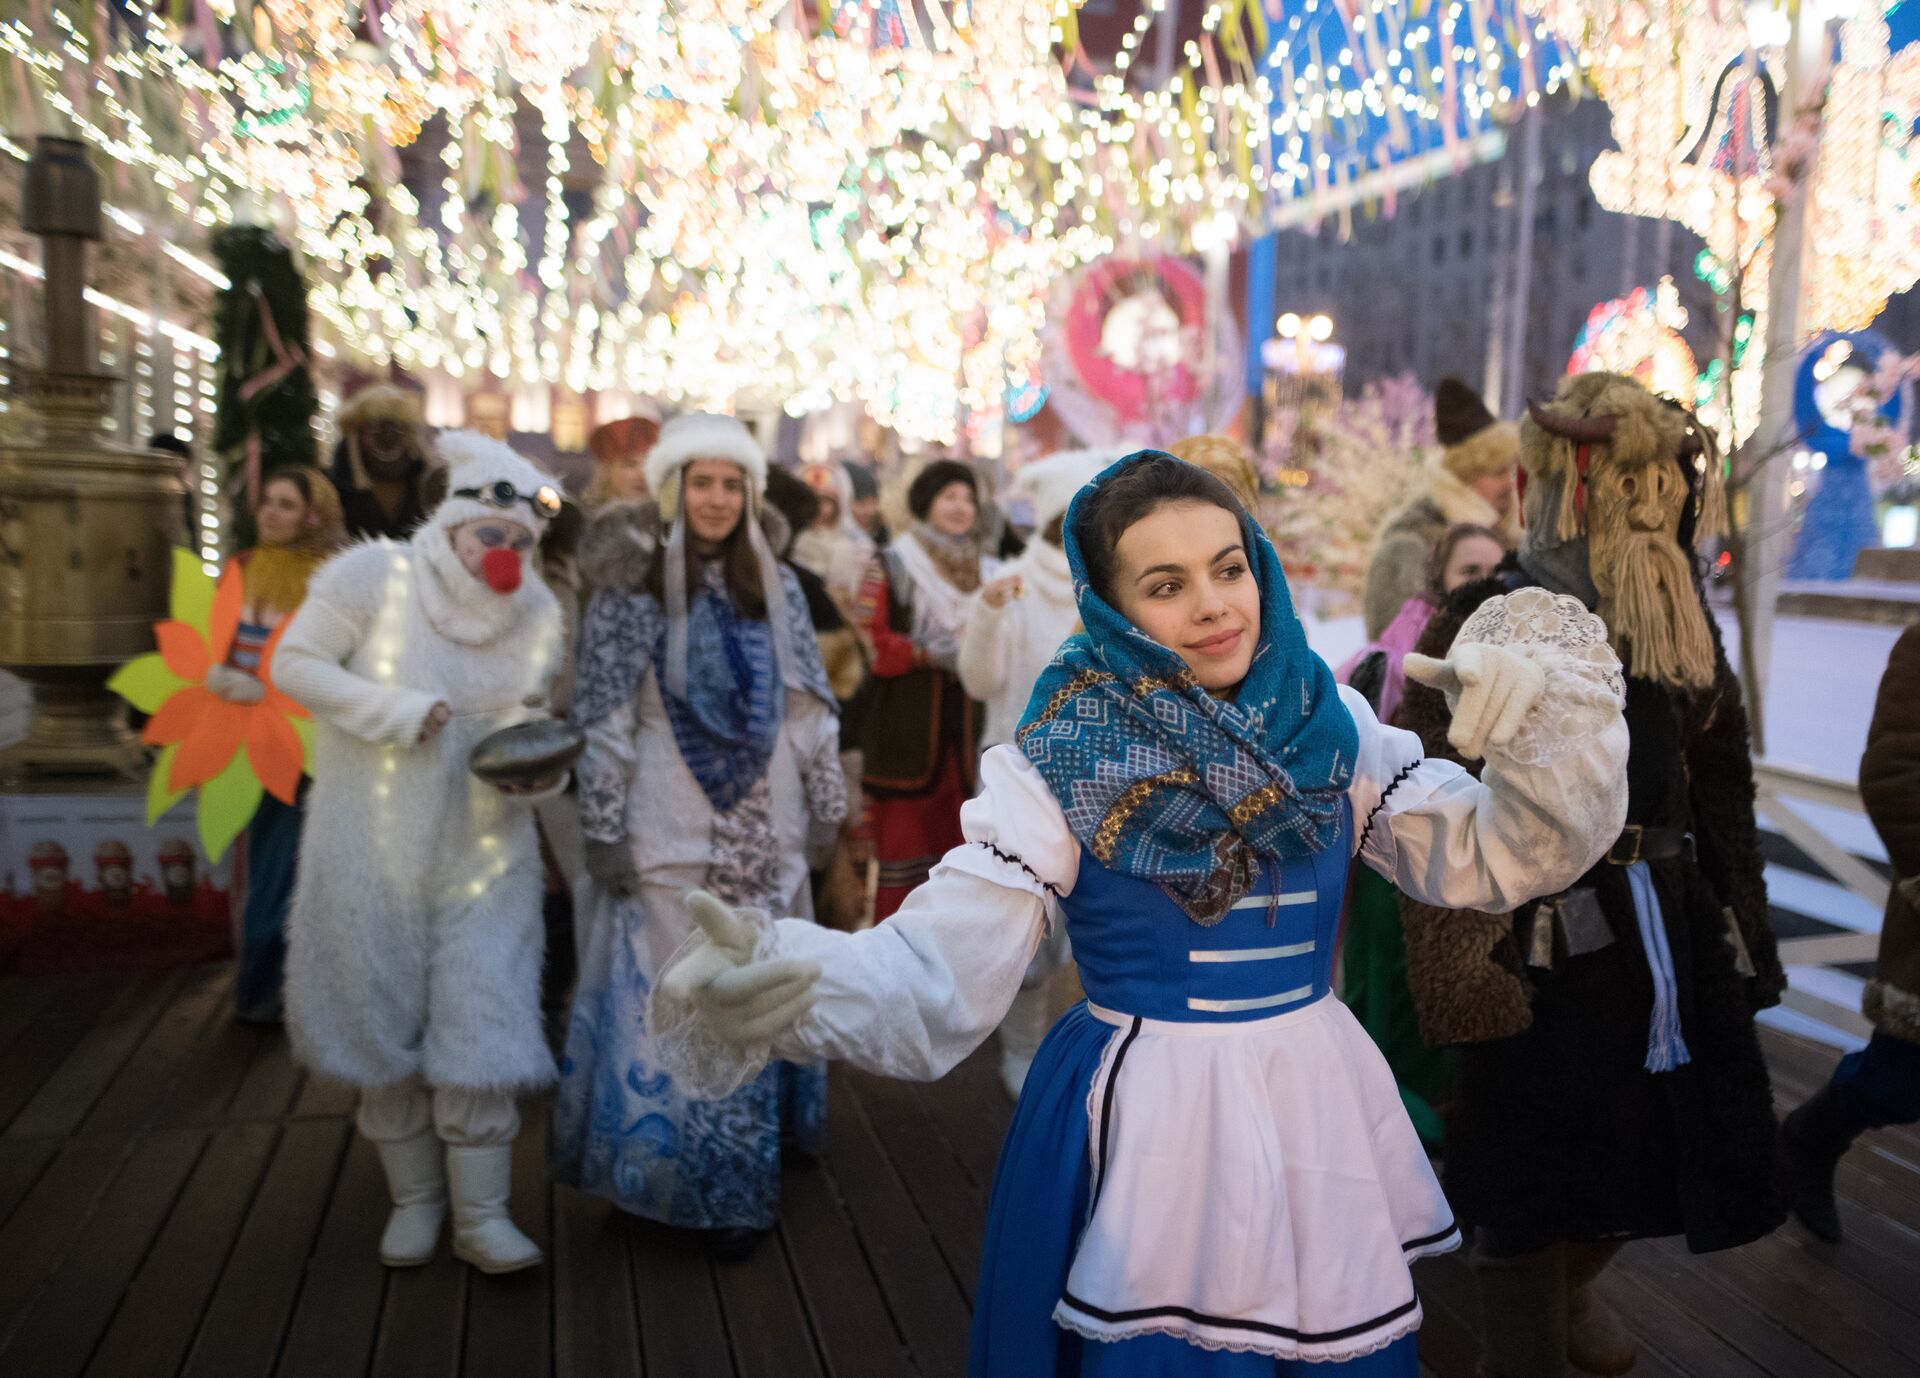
619, 450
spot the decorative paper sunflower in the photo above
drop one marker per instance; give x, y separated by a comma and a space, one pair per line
231, 752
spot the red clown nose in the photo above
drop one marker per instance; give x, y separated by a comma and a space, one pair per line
501, 570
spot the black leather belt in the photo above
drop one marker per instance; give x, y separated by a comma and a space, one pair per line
1636, 843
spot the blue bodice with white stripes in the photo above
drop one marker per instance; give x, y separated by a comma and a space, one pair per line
1139, 953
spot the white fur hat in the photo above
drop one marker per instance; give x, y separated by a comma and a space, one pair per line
704, 435
1050, 483
477, 462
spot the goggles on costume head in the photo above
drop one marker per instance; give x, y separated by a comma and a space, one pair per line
544, 500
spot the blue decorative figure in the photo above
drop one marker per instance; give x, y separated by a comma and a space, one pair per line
1839, 518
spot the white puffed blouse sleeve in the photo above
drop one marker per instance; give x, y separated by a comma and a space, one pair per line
1545, 808
911, 997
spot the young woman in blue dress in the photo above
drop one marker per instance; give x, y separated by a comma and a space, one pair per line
1209, 1172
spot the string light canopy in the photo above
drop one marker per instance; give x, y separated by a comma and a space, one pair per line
730, 202
1693, 92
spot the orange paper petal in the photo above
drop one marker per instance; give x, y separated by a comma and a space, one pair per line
279, 704
176, 719
275, 751
228, 596
183, 650
210, 748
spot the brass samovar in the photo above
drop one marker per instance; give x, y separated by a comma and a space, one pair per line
86, 526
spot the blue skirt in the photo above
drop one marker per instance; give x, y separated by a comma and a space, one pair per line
1038, 1209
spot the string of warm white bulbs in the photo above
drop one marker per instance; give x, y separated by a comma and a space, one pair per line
726, 200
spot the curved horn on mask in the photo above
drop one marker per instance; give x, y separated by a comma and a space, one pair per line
1586, 430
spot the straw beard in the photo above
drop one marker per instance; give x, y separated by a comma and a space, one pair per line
1648, 600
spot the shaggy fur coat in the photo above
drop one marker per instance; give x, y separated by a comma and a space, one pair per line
1560, 1130
415, 937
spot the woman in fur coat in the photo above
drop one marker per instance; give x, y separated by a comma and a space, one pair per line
1472, 482
414, 941
713, 744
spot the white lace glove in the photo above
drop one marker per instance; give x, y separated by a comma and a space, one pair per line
742, 1002
1496, 688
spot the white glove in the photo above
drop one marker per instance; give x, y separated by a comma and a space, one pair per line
235, 686
743, 1002
1491, 689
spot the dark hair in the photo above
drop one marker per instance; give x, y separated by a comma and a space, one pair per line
1149, 482
737, 566
1443, 555
299, 475
935, 479
1055, 533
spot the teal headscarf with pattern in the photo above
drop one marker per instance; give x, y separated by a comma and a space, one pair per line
1160, 779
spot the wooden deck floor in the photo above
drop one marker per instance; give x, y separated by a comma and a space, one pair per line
177, 1198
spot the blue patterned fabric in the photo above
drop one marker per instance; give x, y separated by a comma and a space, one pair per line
1193, 791
728, 723
623, 1131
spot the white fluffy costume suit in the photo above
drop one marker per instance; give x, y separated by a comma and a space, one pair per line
415, 934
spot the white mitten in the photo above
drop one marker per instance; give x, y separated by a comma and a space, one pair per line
235, 686
1490, 687
741, 1001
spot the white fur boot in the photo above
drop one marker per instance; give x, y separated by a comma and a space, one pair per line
480, 1179
417, 1181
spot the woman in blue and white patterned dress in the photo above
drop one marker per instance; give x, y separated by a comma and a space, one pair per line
1210, 1174
712, 743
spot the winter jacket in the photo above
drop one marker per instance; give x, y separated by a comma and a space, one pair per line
1398, 570
426, 485
1890, 788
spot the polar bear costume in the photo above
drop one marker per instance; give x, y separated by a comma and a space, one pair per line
415, 936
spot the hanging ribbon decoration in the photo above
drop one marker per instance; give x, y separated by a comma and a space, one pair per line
285, 362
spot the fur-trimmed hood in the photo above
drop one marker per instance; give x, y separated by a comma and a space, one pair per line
624, 538
1458, 502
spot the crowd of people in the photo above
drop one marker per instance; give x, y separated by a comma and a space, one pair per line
1464, 939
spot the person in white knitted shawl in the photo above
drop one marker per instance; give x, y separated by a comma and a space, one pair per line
414, 938
1025, 614
1019, 622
